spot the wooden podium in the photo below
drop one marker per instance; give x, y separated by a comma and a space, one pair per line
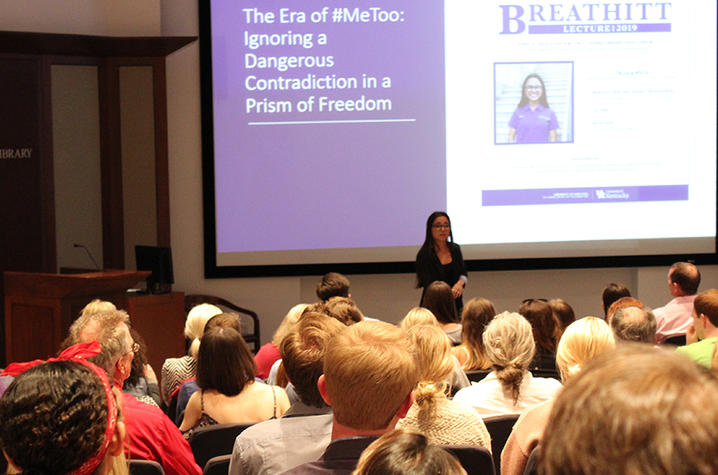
39, 308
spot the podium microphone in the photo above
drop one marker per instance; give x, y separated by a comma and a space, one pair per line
88, 253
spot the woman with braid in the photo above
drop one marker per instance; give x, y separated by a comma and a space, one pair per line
509, 388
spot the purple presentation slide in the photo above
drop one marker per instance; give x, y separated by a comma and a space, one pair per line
319, 139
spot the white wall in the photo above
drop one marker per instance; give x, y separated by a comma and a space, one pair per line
83, 17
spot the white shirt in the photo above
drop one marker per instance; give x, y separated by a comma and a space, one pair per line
487, 396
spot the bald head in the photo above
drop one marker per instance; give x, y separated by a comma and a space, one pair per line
634, 324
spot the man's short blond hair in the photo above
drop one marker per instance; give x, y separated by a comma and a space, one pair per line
369, 369
582, 341
637, 409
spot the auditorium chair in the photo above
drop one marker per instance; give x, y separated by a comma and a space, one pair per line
211, 441
499, 428
251, 335
474, 459
217, 465
145, 467
533, 462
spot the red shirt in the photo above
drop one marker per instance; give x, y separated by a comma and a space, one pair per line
151, 435
265, 358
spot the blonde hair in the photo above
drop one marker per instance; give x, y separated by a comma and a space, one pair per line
194, 325
369, 369
288, 323
418, 316
435, 363
582, 341
98, 306
509, 345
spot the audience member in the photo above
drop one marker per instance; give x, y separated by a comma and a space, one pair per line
634, 324
563, 312
545, 328
477, 313
189, 387
611, 293
441, 420
175, 371
369, 375
582, 341
62, 417
702, 335
623, 302
509, 388
268, 353
439, 299
675, 318
151, 435
418, 316
638, 409
142, 381
228, 392
333, 284
97, 306
403, 453
343, 309
304, 431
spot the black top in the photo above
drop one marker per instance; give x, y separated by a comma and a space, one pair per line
430, 269
544, 364
340, 457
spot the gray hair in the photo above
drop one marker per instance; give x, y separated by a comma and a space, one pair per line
106, 328
634, 324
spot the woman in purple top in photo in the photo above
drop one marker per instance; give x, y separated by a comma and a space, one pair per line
533, 121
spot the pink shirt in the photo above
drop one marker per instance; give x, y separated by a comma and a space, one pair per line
675, 318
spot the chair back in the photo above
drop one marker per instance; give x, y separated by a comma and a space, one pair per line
533, 462
210, 441
217, 465
474, 459
145, 467
677, 340
250, 333
499, 428
476, 375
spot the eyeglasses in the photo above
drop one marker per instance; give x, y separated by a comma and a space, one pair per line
533, 300
441, 226
532, 88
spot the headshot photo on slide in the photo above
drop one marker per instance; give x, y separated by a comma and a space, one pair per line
533, 103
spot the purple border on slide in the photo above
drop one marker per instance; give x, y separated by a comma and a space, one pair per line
605, 194
588, 28
336, 185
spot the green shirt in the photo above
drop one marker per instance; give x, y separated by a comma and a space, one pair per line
701, 351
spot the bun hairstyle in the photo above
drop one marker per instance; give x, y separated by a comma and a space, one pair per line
510, 347
435, 363
194, 325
